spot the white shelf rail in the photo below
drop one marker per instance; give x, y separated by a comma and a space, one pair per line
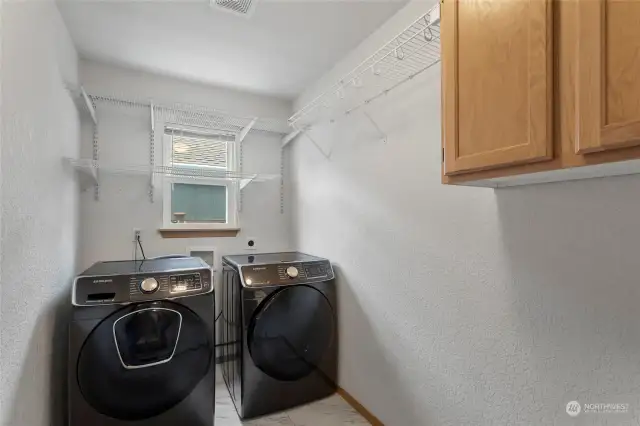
90, 168
199, 116
408, 54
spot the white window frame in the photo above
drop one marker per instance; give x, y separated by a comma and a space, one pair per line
231, 184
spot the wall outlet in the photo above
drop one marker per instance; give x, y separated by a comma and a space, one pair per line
251, 244
136, 234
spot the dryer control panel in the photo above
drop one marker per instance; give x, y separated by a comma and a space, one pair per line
286, 273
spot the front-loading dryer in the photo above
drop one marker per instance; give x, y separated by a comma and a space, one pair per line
279, 331
141, 342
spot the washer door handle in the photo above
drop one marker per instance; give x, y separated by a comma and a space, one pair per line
154, 363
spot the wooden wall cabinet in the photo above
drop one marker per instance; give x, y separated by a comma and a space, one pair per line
497, 83
539, 90
608, 75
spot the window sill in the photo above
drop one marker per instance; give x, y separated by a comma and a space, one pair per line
197, 232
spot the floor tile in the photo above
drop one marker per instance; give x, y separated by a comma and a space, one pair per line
272, 420
226, 414
327, 412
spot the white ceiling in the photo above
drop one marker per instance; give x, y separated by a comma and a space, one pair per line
279, 50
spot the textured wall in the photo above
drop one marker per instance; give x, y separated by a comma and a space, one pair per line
2, 399
465, 306
39, 211
107, 224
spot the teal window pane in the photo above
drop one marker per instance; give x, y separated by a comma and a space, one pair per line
198, 203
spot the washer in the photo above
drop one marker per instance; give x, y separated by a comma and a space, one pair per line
141, 344
280, 331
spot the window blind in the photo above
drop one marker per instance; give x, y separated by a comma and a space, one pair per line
191, 149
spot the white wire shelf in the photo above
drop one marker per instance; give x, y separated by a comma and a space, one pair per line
408, 54
90, 171
199, 116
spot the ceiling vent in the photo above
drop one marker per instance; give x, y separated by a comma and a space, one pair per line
238, 7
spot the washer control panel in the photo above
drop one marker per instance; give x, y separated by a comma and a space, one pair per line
185, 283
168, 285
116, 289
149, 285
286, 273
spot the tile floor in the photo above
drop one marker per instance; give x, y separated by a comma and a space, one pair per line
332, 411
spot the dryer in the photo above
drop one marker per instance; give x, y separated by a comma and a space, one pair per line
141, 342
279, 331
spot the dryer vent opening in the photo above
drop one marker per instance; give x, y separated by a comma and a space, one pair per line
238, 7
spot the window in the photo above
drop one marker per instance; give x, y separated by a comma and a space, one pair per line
207, 200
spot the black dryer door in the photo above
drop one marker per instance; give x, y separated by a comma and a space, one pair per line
290, 332
143, 359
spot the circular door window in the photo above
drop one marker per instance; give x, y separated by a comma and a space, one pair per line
291, 332
143, 359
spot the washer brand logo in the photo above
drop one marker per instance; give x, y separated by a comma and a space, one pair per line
102, 281
264, 268
573, 408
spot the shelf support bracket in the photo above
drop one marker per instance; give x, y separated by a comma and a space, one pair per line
153, 118
96, 151
317, 145
90, 106
383, 135
246, 181
243, 133
152, 159
240, 148
289, 137
282, 180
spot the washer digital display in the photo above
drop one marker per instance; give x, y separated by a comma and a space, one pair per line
185, 283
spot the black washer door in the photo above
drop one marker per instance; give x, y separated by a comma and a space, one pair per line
143, 359
290, 332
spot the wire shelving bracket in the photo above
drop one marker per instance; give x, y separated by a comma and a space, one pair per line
408, 54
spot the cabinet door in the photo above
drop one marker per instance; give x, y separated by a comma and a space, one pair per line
608, 75
497, 83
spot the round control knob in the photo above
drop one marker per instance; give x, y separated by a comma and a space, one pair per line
149, 285
292, 271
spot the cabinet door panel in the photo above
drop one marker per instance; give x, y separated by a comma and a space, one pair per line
497, 83
608, 108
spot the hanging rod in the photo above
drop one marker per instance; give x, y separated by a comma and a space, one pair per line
201, 116
411, 52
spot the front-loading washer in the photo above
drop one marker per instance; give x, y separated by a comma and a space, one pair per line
141, 344
279, 331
